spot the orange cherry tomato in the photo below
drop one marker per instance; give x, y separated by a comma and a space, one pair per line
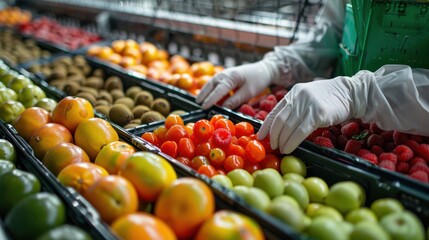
203, 149
243, 141
244, 129
217, 157
184, 160
203, 130
151, 137
173, 119
186, 148
207, 170
175, 133
160, 134
215, 118
227, 124
235, 149
233, 162
254, 151
170, 148
198, 161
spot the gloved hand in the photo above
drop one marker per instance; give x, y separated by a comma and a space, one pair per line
250, 79
312, 105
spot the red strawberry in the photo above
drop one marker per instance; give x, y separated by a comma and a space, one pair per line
404, 153
353, 146
280, 94
271, 97
315, 133
375, 140
342, 141
350, 129
413, 145
374, 128
361, 152
417, 138
323, 141
420, 175
387, 136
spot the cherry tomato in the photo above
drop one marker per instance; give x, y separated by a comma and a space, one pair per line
220, 171
233, 162
234, 140
235, 149
151, 137
266, 143
160, 133
243, 141
227, 124
186, 148
254, 151
203, 130
217, 157
173, 119
175, 133
207, 170
251, 167
215, 118
244, 129
270, 161
198, 161
170, 148
184, 160
203, 149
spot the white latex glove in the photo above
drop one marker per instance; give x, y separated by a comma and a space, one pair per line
250, 79
395, 97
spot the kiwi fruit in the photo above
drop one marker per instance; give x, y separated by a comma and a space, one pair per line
139, 110
102, 102
126, 101
104, 109
143, 98
73, 70
78, 78
120, 114
151, 116
131, 125
66, 60
178, 112
113, 82
79, 60
104, 95
86, 69
58, 72
91, 90
136, 121
161, 105
71, 88
94, 82
131, 91
88, 96
117, 93
58, 83
98, 73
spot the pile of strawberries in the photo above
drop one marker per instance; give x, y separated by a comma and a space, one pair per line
259, 107
393, 150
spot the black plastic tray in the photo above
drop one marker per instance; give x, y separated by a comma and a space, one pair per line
79, 211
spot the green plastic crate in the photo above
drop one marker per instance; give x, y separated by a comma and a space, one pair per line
379, 32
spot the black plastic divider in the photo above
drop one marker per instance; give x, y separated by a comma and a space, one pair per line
79, 211
332, 169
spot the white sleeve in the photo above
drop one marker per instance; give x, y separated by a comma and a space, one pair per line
314, 56
397, 99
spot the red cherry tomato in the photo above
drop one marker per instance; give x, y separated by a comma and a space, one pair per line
207, 170
266, 143
254, 151
244, 129
175, 133
227, 124
243, 141
203, 130
233, 162
170, 148
235, 149
251, 167
203, 149
217, 157
270, 161
151, 137
184, 160
215, 118
186, 148
198, 161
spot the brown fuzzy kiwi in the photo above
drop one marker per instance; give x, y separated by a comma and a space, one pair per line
120, 114
78, 78
86, 69
131, 125
71, 88
46, 71
91, 90
102, 102
178, 112
35, 68
73, 70
139, 110
66, 60
161, 105
58, 72
79, 60
88, 96
131, 91
98, 73
136, 121
117, 93
58, 83
94, 82
113, 82
104, 109
151, 116
104, 95
126, 101
143, 98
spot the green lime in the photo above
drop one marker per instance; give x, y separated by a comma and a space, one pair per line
35, 215
8, 77
15, 186
7, 94
7, 151
19, 83
10, 110
6, 166
47, 104
65, 232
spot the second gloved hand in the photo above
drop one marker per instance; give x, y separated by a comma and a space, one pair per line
312, 105
250, 79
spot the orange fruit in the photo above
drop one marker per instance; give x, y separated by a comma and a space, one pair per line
92, 134
203, 80
153, 73
149, 173
162, 54
159, 64
115, 58
118, 46
113, 196
128, 61
48, 136
138, 68
93, 50
112, 156
185, 81
149, 52
70, 111
179, 67
81, 176
225, 224
62, 155
139, 225
185, 205
31, 119
105, 52
202, 68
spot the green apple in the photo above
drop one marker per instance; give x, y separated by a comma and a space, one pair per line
325, 228
46, 103
287, 199
270, 181
347, 227
240, 190
292, 164
2, 85
10, 110
19, 83
369, 231
6, 166
257, 198
307, 221
287, 213
345, 196
328, 212
384, 206
8, 77
298, 192
403, 225
240, 177
317, 189
30, 95
294, 177
312, 207
222, 180
7, 94
362, 214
